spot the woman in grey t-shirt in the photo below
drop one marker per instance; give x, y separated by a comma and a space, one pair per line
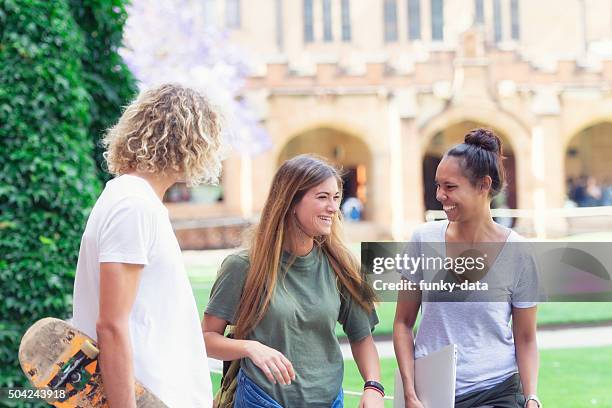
497, 364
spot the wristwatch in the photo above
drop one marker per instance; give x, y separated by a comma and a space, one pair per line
532, 397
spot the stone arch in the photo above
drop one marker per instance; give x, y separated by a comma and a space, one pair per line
517, 131
574, 124
345, 149
515, 136
586, 160
291, 129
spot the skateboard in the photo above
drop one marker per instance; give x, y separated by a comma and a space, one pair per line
63, 361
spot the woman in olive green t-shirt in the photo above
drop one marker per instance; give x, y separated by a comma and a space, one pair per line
285, 294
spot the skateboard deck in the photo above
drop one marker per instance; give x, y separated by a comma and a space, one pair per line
56, 356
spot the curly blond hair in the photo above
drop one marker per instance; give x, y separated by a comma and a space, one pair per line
169, 129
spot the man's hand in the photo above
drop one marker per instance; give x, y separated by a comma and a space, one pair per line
118, 288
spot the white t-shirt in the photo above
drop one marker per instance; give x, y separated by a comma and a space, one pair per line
481, 330
129, 224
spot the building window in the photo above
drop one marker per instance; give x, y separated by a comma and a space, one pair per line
279, 25
479, 12
232, 13
515, 19
414, 19
437, 20
390, 23
327, 21
497, 20
308, 30
210, 13
346, 21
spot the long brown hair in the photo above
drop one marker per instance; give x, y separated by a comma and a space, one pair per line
291, 182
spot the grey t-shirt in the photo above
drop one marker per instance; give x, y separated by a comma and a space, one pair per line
300, 323
481, 330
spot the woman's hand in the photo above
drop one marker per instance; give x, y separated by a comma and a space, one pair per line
412, 402
272, 362
371, 399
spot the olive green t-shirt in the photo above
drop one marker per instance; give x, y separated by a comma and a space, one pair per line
299, 323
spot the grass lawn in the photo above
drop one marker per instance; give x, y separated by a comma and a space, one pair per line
572, 378
548, 313
552, 313
568, 378
203, 275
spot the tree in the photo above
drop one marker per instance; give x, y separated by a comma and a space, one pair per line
107, 78
47, 174
196, 55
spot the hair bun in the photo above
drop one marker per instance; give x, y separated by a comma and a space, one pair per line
485, 139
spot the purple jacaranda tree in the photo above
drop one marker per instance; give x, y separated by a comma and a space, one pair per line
169, 41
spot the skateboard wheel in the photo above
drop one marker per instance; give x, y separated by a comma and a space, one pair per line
75, 378
90, 350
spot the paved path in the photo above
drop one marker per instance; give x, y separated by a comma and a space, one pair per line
547, 339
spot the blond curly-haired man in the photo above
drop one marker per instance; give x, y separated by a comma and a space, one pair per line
131, 291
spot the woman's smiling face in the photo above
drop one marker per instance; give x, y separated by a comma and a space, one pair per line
460, 199
316, 210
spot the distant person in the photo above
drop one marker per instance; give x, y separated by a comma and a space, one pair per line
497, 362
580, 194
571, 189
285, 294
501, 203
606, 196
352, 209
593, 192
131, 291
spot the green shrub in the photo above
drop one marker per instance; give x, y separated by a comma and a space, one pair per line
107, 79
47, 174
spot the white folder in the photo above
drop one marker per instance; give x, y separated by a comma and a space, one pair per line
434, 379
